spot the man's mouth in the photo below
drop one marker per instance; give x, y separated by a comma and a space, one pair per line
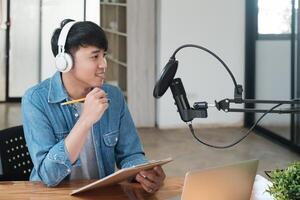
101, 75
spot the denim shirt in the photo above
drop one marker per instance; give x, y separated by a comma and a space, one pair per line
46, 124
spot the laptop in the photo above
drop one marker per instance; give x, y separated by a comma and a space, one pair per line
231, 182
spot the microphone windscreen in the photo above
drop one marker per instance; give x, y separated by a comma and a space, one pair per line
166, 78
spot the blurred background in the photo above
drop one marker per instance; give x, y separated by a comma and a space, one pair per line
257, 39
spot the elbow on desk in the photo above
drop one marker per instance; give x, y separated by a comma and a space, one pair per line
54, 167
51, 184
52, 178
50, 181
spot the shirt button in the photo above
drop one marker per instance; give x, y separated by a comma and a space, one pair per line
68, 170
76, 114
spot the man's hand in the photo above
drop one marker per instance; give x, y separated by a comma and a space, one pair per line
151, 180
94, 106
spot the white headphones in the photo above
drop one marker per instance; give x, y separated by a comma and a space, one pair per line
63, 61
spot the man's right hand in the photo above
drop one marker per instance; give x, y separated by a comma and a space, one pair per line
93, 108
95, 104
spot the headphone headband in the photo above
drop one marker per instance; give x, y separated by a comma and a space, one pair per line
63, 36
63, 61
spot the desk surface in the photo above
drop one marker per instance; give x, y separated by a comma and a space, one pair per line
37, 191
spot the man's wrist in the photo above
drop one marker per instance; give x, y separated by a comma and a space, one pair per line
82, 121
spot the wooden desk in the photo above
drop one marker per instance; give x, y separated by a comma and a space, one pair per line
37, 191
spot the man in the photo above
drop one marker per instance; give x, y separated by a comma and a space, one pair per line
82, 140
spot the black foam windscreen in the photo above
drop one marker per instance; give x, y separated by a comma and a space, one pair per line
166, 78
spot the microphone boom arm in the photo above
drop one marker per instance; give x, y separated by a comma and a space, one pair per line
225, 105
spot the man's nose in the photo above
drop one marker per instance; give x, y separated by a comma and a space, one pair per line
103, 63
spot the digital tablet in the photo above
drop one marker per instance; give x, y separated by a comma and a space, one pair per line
121, 175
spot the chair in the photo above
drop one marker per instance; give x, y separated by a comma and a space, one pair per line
15, 158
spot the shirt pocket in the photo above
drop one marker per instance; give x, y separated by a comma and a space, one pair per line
111, 138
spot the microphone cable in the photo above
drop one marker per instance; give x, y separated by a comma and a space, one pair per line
239, 140
211, 53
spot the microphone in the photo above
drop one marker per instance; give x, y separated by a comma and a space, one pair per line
167, 80
180, 98
187, 114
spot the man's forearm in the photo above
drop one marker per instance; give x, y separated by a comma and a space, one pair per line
76, 138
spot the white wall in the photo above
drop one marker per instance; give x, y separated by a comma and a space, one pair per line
53, 12
93, 11
2, 64
273, 76
24, 46
217, 25
2, 49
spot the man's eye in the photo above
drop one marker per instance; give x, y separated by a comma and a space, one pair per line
95, 57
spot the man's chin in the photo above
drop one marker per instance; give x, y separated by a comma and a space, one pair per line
98, 84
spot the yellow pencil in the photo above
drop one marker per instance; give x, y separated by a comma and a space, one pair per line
73, 101
77, 100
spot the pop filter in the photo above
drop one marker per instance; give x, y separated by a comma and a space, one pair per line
166, 78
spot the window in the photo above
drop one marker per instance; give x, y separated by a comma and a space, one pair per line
274, 17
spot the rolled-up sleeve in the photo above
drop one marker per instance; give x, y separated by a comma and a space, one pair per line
49, 156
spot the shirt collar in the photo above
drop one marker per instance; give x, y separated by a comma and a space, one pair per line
57, 92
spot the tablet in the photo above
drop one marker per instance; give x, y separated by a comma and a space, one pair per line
121, 175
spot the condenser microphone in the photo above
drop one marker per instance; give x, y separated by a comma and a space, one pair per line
181, 100
167, 80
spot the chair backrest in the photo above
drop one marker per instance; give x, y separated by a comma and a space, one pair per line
15, 158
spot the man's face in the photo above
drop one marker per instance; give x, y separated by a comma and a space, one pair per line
89, 66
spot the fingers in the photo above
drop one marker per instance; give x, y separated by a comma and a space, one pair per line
95, 105
151, 180
146, 184
151, 176
99, 95
94, 90
160, 172
104, 100
155, 175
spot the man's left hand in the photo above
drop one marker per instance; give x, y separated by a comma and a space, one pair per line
151, 180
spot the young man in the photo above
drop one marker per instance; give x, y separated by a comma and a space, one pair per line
83, 140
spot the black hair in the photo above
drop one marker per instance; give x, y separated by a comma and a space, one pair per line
82, 34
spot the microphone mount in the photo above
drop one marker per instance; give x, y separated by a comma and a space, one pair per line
199, 109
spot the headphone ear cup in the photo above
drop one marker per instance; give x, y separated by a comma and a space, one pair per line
69, 62
63, 62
